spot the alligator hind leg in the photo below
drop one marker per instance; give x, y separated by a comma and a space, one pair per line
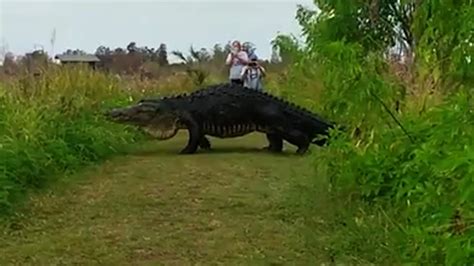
281, 129
204, 143
302, 149
275, 142
298, 139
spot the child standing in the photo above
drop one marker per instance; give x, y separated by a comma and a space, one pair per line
252, 75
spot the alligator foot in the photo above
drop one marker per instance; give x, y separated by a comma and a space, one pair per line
204, 143
299, 139
192, 146
275, 143
195, 136
302, 149
187, 151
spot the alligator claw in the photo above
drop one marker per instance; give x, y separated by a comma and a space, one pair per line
205, 146
302, 150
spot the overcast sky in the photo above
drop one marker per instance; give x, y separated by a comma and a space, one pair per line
25, 25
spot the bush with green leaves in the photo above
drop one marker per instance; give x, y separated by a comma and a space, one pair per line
424, 183
54, 124
407, 169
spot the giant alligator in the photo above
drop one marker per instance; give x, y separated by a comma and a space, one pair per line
225, 111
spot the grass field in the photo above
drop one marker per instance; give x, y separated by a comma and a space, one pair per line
153, 206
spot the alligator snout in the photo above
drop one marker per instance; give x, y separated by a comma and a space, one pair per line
114, 113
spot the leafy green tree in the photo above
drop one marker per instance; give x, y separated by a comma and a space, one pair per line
413, 165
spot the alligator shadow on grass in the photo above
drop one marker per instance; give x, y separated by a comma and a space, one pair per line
157, 150
253, 144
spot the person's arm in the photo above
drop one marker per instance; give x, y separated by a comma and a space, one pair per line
262, 69
244, 72
229, 58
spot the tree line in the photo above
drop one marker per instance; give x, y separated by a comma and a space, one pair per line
138, 59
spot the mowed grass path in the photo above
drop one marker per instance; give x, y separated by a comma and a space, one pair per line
155, 207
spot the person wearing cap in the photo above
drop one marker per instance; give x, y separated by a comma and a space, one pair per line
252, 75
237, 59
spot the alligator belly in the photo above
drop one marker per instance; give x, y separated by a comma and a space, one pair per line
228, 131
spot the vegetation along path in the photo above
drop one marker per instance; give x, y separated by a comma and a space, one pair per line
154, 206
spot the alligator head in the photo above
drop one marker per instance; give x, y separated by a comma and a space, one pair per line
153, 116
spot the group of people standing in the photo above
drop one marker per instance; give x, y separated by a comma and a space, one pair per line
244, 67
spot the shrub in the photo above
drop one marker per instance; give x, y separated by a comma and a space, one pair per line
54, 124
400, 180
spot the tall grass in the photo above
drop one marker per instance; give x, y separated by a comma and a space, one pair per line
54, 124
396, 190
398, 184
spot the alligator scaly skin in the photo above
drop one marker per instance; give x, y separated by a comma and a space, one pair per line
228, 110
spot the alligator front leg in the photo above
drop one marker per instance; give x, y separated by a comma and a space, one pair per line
194, 135
204, 143
299, 139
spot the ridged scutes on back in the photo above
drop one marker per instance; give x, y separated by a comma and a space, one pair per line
237, 91
290, 106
